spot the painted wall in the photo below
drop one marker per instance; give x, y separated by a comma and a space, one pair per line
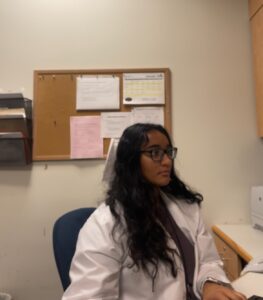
205, 43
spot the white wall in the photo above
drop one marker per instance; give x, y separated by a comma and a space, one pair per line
205, 43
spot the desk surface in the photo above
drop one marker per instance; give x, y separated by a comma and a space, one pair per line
250, 284
243, 238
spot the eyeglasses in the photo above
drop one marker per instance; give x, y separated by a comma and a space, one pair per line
157, 154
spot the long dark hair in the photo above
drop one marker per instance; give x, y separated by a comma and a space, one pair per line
132, 197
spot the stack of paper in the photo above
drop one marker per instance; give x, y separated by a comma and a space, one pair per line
12, 113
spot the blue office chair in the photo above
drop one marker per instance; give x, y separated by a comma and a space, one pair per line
65, 235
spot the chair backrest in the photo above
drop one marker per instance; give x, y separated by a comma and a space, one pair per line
65, 235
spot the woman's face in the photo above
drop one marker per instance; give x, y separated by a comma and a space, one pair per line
156, 172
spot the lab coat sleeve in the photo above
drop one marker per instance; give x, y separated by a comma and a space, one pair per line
96, 264
210, 264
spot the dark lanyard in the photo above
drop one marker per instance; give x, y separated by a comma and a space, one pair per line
186, 250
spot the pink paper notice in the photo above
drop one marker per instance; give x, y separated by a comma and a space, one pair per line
85, 140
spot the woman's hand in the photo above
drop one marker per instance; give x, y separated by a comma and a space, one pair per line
213, 291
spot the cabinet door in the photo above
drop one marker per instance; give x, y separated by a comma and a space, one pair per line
257, 40
232, 262
254, 6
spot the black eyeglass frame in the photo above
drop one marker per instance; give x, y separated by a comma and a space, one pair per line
162, 152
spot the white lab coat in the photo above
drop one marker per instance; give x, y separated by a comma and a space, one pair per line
100, 267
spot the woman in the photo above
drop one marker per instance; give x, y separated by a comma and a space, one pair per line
148, 240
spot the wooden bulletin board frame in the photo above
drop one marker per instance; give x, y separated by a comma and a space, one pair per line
55, 102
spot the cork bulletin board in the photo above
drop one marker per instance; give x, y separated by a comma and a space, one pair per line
55, 103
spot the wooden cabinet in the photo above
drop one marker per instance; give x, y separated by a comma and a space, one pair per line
256, 22
232, 262
237, 244
254, 6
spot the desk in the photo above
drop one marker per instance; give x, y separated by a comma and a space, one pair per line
250, 284
237, 244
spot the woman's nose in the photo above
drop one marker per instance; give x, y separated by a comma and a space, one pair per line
166, 160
